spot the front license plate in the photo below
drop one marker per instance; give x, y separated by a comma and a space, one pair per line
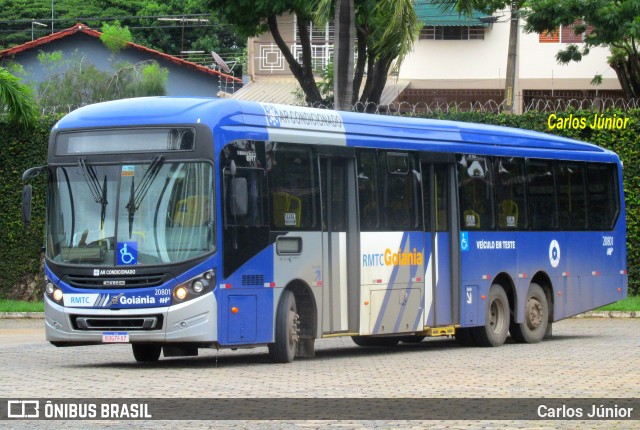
115, 337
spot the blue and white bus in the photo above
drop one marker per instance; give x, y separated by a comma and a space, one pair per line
175, 224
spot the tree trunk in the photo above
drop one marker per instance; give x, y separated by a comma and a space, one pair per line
509, 88
303, 73
360, 65
343, 54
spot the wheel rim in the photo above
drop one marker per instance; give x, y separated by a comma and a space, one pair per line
496, 316
534, 314
293, 327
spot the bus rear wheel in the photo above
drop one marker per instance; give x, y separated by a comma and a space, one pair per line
496, 326
536, 317
145, 353
287, 332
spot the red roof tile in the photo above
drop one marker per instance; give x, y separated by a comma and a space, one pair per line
85, 29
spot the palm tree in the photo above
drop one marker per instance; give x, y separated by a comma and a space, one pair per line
385, 31
16, 100
343, 51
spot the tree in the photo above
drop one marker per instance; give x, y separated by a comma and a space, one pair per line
115, 37
16, 99
76, 82
343, 54
139, 15
615, 24
384, 33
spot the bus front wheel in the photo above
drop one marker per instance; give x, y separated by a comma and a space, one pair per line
496, 326
536, 317
145, 353
287, 336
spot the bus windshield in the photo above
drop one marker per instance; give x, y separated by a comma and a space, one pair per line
130, 214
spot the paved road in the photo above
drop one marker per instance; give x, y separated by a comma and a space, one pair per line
586, 358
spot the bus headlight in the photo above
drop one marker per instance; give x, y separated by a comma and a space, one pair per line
180, 292
194, 287
57, 294
197, 286
52, 291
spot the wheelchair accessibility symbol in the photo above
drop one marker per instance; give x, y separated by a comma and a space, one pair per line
127, 253
464, 241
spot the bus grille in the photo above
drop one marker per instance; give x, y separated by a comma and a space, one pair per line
129, 323
117, 282
253, 280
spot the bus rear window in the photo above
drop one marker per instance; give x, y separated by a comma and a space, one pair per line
125, 140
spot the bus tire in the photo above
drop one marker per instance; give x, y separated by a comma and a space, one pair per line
384, 342
464, 337
536, 317
146, 353
283, 350
496, 327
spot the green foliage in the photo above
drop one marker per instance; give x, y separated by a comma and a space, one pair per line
20, 306
20, 253
615, 25
16, 99
628, 304
115, 37
167, 36
77, 82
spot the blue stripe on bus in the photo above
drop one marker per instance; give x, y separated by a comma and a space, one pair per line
387, 296
412, 274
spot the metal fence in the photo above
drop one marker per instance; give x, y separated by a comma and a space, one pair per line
491, 106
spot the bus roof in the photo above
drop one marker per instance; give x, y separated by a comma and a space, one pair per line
260, 117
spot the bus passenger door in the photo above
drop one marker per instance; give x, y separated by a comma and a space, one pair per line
441, 243
339, 245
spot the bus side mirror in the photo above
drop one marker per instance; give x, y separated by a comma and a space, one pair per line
239, 196
26, 204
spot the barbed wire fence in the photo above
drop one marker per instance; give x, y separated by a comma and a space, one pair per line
438, 107
493, 106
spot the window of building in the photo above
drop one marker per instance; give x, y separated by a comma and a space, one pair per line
566, 34
429, 32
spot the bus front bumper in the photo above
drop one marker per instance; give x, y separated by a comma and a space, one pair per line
193, 321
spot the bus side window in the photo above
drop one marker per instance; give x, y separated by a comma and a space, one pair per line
604, 205
475, 193
400, 211
510, 202
368, 190
293, 187
541, 195
572, 199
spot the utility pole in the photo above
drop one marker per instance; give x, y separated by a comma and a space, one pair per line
36, 23
510, 84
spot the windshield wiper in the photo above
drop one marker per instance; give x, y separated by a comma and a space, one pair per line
98, 192
138, 193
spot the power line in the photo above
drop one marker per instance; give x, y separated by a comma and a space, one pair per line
107, 18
